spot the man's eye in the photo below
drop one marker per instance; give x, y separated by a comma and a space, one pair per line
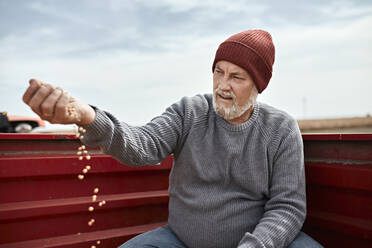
238, 78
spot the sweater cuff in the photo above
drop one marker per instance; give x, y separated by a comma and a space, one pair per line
250, 241
96, 129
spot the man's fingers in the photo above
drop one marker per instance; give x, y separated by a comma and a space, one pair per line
38, 97
31, 90
62, 104
49, 104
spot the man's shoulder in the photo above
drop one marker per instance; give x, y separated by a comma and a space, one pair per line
274, 119
198, 104
193, 109
198, 99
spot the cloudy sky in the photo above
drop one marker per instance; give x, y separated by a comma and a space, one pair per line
135, 58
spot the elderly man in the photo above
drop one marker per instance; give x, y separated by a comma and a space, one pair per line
238, 176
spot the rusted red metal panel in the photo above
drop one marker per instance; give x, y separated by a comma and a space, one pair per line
108, 238
30, 136
340, 137
43, 165
339, 189
43, 204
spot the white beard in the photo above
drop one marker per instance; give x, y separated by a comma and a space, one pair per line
235, 111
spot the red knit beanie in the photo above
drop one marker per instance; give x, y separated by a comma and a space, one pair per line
254, 51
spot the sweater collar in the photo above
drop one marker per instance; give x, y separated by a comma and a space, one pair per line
239, 127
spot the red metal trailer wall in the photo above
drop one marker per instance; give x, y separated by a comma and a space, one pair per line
44, 204
339, 189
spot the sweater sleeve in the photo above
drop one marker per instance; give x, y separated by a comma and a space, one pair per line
285, 210
136, 146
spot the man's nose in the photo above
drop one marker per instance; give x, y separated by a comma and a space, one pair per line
224, 84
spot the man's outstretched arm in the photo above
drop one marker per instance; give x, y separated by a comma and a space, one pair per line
131, 145
136, 145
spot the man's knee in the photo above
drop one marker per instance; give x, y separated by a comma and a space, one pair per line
162, 237
140, 241
136, 245
304, 241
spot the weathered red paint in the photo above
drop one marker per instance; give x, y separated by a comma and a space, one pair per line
43, 204
31, 136
339, 189
336, 136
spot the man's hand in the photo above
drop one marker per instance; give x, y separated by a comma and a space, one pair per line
57, 106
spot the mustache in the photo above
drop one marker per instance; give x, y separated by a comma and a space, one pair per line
225, 93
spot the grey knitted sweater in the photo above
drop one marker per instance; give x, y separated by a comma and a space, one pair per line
231, 185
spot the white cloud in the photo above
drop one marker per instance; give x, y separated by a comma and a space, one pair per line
145, 83
344, 9
216, 6
327, 65
124, 61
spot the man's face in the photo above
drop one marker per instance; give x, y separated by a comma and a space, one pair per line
234, 92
